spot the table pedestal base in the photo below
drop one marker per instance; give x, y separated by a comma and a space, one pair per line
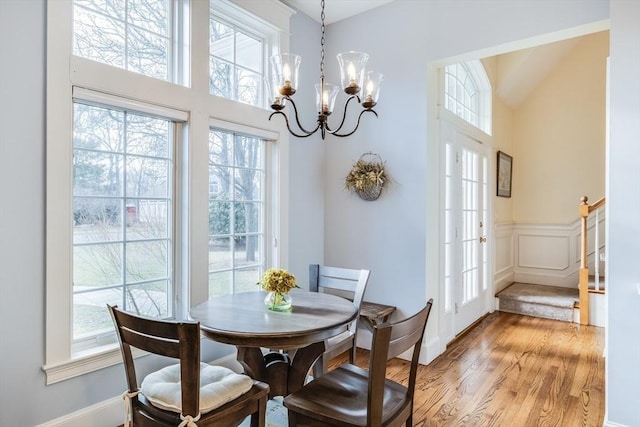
284, 372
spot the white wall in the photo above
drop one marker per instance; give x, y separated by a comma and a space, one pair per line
623, 205
559, 137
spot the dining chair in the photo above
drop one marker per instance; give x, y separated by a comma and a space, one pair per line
352, 396
347, 283
189, 393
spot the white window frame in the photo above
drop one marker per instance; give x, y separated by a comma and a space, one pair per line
65, 73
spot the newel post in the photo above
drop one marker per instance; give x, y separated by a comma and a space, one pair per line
584, 271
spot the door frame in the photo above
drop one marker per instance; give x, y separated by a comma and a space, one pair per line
447, 314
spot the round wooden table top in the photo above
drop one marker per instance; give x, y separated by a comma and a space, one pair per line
242, 319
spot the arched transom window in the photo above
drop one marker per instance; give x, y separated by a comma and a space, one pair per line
467, 93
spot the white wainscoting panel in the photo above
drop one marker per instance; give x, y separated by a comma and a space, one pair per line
545, 252
503, 256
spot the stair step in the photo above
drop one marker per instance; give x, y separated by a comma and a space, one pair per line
549, 302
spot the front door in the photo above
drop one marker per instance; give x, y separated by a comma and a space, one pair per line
465, 270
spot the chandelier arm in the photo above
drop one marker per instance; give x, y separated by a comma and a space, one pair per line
295, 111
291, 131
344, 114
335, 132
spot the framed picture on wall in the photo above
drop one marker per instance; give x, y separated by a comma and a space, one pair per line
505, 168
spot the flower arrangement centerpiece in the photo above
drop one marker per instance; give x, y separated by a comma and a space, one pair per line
278, 282
367, 176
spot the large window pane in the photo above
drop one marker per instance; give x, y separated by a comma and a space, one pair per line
236, 212
130, 34
122, 232
236, 63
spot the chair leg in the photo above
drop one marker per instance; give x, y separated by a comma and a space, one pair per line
293, 422
258, 419
352, 354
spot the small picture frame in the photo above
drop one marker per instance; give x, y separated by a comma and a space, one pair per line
505, 169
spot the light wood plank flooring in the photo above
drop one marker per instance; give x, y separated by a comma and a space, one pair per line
511, 370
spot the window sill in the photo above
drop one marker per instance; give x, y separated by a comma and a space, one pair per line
99, 358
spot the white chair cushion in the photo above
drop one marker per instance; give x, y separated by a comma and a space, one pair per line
218, 385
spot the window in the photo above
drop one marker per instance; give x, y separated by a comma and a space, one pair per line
467, 93
135, 35
236, 62
127, 168
236, 213
122, 221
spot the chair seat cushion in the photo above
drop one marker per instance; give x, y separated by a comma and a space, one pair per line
218, 385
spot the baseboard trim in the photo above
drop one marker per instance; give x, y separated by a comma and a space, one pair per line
611, 424
109, 412
428, 352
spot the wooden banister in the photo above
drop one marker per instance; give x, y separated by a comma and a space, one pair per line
585, 210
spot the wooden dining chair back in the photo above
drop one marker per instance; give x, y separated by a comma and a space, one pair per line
351, 396
347, 283
189, 391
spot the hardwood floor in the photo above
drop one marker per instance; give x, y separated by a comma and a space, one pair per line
511, 370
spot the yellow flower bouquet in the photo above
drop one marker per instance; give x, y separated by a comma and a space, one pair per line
278, 282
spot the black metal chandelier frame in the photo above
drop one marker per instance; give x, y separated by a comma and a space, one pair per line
322, 123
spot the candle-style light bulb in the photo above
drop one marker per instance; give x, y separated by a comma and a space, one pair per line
286, 73
369, 88
351, 71
325, 101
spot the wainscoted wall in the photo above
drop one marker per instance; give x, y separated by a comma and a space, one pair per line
543, 254
504, 256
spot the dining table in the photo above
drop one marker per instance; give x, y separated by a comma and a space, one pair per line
275, 347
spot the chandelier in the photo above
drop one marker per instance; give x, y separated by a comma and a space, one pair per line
284, 73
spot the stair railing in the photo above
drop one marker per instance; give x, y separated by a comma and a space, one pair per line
585, 210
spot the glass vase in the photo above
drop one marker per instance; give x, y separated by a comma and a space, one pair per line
277, 301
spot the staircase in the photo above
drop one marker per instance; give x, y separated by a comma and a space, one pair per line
549, 302
584, 304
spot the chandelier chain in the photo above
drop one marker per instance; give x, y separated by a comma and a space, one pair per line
322, 42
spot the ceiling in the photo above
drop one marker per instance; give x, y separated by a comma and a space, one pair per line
335, 10
519, 72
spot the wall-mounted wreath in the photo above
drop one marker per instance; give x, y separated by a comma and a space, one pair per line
367, 177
